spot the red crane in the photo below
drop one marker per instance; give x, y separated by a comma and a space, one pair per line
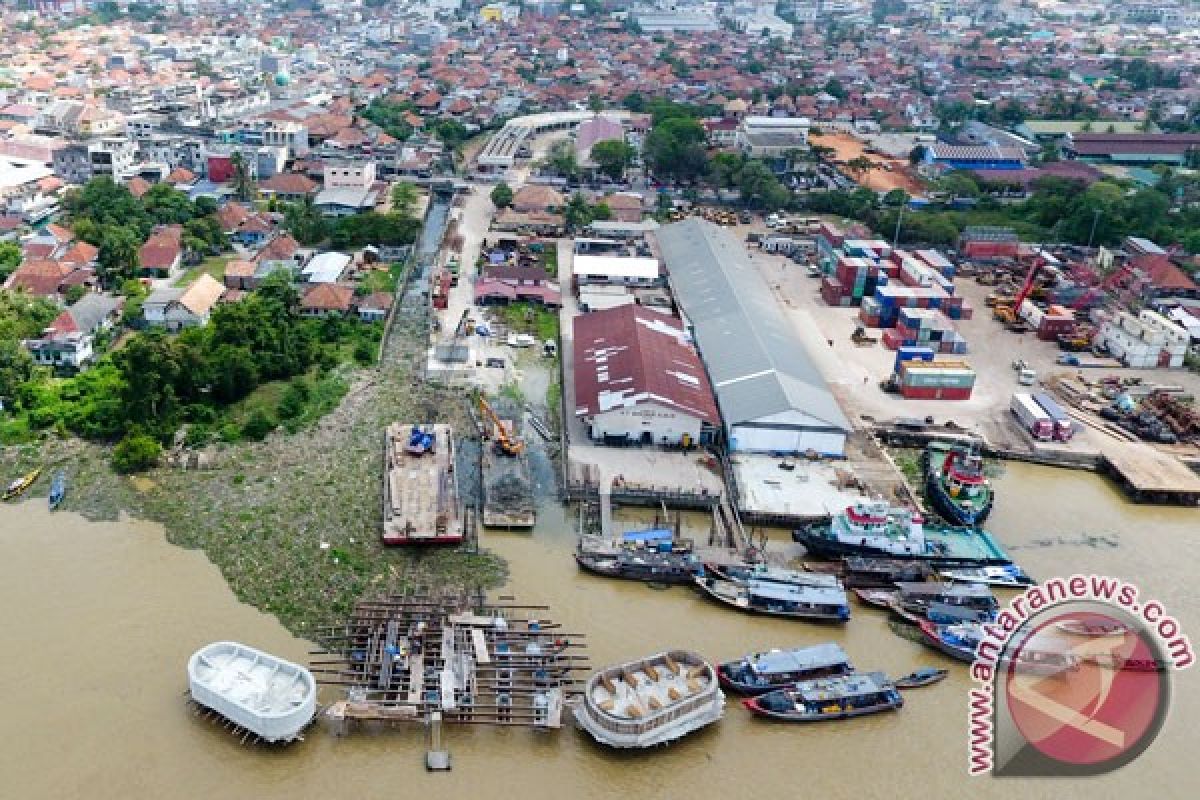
1026, 287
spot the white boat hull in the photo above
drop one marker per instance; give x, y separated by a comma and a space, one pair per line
272, 698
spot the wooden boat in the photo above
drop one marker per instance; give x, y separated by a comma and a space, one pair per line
420, 486
651, 701
1077, 627
955, 483
58, 489
957, 641
762, 572
876, 598
641, 565
774, 669
18, 486
882, 573
916, 598
920, 677
877, 529
946, 614
818, 603
272, 698
842, 697
1006, 576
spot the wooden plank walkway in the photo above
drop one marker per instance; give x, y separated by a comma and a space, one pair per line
1147, 469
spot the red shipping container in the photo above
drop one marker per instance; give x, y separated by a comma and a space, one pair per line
935, 393
832, 291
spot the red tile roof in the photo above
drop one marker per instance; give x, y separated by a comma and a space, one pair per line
328, 297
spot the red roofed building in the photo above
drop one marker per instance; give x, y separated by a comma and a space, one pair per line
163, 252
639, 379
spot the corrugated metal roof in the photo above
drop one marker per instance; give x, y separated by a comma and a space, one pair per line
759, 367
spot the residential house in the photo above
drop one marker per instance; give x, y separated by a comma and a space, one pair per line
616, 270
504, 285
349, 188
374, 307
176, 309
162, 254
69, 341
239, 274
325, 268
290, 187
625, 206
327, 299
282, 252
534, 197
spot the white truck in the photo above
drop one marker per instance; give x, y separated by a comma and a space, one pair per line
1033, 417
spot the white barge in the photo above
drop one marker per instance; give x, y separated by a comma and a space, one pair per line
652, 701
269, 697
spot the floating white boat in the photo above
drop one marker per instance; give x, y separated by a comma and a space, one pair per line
652, 701
272, 698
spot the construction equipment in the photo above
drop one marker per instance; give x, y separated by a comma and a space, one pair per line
506, 443
1008, 312
860, 337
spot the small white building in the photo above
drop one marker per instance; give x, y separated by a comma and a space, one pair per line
1146, 341
615, 270
771, 137
176, 309
325, 268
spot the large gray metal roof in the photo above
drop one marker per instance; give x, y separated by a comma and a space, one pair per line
758, 366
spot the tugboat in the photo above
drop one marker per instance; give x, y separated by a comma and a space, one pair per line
955, 484
828, 698
651, 701
875, 528
774, 669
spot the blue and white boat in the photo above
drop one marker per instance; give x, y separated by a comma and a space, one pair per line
58, 489
846, 696
817, 603
774, 669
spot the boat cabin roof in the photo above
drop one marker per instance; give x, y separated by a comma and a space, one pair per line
802, 658
826, 689
962, 590
796, 594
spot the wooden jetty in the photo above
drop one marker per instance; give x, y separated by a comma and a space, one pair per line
420, 487
1149, 475
450, 657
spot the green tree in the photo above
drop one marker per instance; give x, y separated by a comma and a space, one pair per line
675, 149
118, 258
404, 198
304, 221
16, 367
243, 183
258, 425
561, 159
10, 259
136, 452
612, 157
502, 195
165, 204
896, 197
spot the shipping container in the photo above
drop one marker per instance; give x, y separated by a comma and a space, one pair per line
1032, 417
935, 393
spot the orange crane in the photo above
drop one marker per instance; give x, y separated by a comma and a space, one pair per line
505, 444
1008, 313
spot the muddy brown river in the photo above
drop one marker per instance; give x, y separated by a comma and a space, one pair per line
101, 617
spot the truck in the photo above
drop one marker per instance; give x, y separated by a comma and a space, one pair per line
1032, 417
1064, 428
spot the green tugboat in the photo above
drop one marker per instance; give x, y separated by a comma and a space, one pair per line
955, 484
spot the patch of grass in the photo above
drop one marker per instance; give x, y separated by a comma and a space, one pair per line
213, 265
550, 258
527, 318
382, 280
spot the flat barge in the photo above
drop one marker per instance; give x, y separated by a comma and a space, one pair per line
420, 486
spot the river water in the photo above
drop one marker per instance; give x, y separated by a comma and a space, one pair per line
102, 617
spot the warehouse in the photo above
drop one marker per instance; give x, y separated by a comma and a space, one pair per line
638, 380
771, 395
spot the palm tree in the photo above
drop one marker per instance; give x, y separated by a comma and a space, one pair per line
243, 183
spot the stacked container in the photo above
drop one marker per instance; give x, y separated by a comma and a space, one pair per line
936, 380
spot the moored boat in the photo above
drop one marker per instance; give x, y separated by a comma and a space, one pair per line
774, 669
651, 701
58, 490
921, 677
875, 528
947, 614
420, 486
955, 483
916, 598
1008, 576
842, 697
762, 572
817, 603
269, 697
18, 486
881, 573
640, 565
876, 598
957, 641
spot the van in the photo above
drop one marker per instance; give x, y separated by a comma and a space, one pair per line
550, 348
1027, 377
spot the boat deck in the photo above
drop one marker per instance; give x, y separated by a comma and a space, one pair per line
649, 688
420, 500
964, 543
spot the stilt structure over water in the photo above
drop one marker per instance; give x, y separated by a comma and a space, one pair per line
449, 657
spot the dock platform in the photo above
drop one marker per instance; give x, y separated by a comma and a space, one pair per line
1151, 476
420, 491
